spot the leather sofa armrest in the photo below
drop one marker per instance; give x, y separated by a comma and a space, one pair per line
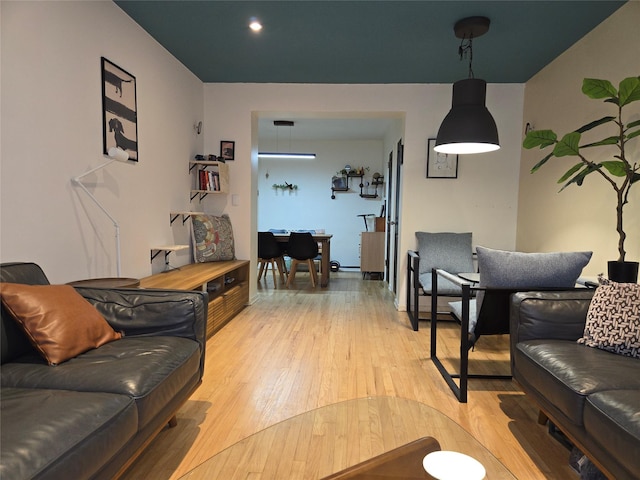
550, 315
150, 312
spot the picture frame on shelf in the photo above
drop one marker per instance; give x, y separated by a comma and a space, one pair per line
339, 183
227, 150
119, 109
440, 165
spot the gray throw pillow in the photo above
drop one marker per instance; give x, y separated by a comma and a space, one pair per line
499, 268
503, 269
447, 251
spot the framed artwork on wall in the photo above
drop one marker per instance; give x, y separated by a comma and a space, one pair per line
440, 165
119, 110
227, 149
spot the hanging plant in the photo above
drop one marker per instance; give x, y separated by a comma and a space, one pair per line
285, 186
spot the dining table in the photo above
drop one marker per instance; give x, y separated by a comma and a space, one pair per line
324, 239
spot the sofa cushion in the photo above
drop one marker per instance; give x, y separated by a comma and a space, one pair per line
61, 434
565, 373
57, 320
13, 341
612, 418
212, 238
613, 319
148, 369
456, 309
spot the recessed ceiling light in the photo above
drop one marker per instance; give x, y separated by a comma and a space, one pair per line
255, 25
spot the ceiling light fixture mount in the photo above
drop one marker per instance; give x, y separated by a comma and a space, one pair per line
468, 127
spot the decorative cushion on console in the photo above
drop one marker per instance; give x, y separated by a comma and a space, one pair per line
212, 238
613, 319
58, 321
449, 251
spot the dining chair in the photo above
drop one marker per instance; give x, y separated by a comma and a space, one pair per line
302, 248
270, 253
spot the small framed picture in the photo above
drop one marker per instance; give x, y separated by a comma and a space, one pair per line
227, 149
339, 183
440, 165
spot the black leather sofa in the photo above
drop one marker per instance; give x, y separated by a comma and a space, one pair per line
591, 395
89, 417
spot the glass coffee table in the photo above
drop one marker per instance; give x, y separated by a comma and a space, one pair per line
330, 439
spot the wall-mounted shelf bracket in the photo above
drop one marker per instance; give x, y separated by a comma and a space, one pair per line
167, 249
202, 193
173, 216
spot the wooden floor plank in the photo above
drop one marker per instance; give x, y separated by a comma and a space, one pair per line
296, 350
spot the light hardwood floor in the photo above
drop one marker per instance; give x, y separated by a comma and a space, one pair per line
299, 349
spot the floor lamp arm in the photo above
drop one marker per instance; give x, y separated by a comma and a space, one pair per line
77, 181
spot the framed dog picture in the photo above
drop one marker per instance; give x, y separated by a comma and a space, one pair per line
440, 165
227, 150
119, 110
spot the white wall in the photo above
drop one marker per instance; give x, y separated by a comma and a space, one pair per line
580, 218
483, 199
311, 206
52, 131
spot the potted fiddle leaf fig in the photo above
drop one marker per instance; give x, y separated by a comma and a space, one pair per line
613, 157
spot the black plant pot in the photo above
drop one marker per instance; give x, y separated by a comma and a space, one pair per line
623, 272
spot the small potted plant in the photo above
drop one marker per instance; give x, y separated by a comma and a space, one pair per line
614, 166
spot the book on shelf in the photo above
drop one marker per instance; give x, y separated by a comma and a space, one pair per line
209, 180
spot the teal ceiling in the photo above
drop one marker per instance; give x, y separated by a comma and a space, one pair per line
364, 41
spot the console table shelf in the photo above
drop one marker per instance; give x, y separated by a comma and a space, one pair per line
226, 282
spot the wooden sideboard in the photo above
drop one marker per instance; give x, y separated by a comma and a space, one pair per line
226, 282
372, 252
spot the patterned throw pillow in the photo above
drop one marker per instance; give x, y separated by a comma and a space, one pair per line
613, 319
212, 238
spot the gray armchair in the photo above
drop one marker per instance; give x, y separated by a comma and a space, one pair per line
502, 274
448, 251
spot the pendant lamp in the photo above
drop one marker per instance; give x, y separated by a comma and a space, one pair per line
468, 127
286, 155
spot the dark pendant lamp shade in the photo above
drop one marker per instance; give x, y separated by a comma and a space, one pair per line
468, 127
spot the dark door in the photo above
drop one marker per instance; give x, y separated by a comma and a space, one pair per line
396, 211
387, 256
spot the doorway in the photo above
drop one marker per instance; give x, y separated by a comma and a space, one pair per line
338, 140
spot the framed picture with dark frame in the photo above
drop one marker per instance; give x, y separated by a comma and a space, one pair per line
227, 150
440, 165
119, 110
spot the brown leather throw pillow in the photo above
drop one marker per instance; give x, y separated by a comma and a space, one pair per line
59, 322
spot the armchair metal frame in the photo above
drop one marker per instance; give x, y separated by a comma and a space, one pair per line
492, 319
414, 288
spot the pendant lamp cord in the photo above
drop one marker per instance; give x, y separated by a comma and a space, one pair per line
466, 50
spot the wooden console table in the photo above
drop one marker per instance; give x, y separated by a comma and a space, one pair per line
226, 282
